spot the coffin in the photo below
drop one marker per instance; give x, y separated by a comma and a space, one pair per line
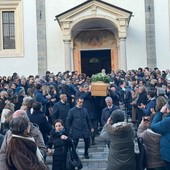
99, 88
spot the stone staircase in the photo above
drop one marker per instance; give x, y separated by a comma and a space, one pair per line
98, 155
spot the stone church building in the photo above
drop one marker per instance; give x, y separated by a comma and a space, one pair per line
83, 35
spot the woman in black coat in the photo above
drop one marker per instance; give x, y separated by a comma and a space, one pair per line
38, 118
60, 141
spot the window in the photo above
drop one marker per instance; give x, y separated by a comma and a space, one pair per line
8, 29
11, 28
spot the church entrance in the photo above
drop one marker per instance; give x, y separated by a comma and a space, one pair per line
95, 50
94, 25
93, 61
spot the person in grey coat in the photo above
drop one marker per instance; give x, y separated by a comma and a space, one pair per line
121, 137
34, 132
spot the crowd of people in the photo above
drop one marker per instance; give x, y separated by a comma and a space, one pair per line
46, 113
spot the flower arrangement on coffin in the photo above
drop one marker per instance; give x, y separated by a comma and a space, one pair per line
100, 77
99, 85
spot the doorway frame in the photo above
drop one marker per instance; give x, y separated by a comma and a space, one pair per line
77, 57
98, 51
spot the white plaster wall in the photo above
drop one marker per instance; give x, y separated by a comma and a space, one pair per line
162, 28
136, 45
28, 64
136, 38
55, 44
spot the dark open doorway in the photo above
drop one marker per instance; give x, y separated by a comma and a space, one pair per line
93, 61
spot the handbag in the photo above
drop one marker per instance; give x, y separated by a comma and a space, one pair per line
140, 154
50, 109
73, 161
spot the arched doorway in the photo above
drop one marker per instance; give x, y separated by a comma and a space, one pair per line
93, 61
95, 50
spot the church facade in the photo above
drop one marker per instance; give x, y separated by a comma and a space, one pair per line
83, 35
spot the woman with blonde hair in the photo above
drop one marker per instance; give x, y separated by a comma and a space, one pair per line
6, 117
27, 104
160, 102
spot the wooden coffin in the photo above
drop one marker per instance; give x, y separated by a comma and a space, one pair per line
99, 89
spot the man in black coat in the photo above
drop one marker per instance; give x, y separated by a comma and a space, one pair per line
114, 94
79, 125
107, 111
90, 105
60, 109
142, 100
3, 98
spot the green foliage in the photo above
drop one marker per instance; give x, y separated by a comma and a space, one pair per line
100, 77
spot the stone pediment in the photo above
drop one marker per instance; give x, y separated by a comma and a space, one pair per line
94, 9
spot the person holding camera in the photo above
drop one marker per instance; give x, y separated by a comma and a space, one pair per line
161, 125
151, 141
120, 134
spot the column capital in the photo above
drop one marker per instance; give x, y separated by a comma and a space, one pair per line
67, 40
122, 38
122, 35
123, 24
123, 21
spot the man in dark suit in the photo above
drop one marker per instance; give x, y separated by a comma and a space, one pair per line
79, 125
60, 109
151, 103
107, 111
142, 100
90, 104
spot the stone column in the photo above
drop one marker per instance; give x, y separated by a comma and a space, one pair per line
41, 37
122, 60
71, 56
150, 34
67, 49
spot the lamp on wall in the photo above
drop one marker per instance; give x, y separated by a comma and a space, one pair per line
94, 60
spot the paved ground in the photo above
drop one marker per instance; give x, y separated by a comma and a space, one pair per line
98, 156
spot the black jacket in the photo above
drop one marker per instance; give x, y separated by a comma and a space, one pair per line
60, 145
115, 97
78, 123
106, 113
39, 119
142, 99
90, 105
60, 111
2, 104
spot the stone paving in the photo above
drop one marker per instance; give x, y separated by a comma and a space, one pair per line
98, 155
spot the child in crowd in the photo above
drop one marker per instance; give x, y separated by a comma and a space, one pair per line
60, 141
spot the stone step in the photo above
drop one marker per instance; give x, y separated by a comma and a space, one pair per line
98, 155
84, 168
